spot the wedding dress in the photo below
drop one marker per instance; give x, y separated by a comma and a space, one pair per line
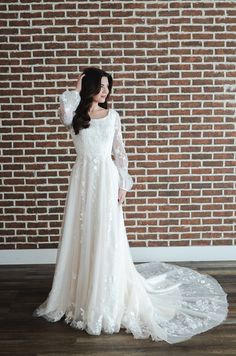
96, 286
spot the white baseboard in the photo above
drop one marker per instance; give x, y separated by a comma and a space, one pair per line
139, 254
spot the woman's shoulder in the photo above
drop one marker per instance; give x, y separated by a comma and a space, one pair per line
114, 112
114, 115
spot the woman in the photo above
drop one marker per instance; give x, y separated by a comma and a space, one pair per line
96, 286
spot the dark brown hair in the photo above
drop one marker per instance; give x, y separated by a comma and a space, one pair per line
90, 86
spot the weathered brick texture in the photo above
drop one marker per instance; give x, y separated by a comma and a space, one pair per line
173, 64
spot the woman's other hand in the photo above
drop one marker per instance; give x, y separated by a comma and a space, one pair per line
121, 195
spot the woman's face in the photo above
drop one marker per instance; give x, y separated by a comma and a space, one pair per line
101, 96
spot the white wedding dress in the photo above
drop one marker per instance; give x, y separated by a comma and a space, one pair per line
96, 286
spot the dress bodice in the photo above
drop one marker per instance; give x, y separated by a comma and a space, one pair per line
97, 140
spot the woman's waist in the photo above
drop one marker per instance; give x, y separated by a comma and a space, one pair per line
92, 158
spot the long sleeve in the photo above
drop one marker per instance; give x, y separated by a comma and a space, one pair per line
69, 100
121, 159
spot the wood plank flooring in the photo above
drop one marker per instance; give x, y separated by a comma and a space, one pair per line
24, 287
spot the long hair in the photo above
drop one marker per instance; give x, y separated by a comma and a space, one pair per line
90, 86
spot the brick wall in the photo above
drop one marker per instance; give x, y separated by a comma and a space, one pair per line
173, 64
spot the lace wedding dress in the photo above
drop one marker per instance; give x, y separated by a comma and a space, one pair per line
96, 286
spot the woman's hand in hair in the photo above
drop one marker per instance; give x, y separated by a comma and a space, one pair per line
79, 82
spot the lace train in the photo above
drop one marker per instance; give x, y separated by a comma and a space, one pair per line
183, 303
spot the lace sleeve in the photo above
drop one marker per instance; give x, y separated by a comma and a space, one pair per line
121, 159
69, 100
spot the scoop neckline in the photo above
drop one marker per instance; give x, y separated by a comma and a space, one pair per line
101, 118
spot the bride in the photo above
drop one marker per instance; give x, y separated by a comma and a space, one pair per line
96, 286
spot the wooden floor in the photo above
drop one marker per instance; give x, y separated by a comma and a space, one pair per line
23, 288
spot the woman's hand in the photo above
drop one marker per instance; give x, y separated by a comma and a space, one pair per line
79, 82
121, 195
